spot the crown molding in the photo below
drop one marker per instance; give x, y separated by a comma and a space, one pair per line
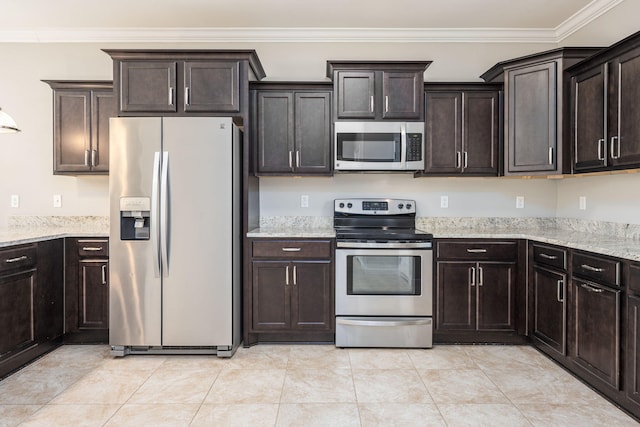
293, 35
583, 17
320, 35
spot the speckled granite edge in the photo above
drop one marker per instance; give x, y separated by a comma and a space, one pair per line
80, 222
297, 222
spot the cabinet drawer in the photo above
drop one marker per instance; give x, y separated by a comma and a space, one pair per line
548, 255
18, 258
292, 249
477, 251
597, 268
93, 247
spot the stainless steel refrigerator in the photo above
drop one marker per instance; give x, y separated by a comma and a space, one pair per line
174, 247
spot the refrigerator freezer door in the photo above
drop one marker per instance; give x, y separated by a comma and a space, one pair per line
197, 284
135, 288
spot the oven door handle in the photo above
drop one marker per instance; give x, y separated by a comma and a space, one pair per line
387, 245
355, 322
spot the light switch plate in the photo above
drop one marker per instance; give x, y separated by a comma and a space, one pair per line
57, 201
520, 202
15, 201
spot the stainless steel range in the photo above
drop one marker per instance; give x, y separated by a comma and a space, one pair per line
384, 275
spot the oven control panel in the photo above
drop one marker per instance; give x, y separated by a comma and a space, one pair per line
375, 206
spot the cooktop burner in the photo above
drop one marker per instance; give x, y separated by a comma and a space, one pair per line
382, 234
377, 220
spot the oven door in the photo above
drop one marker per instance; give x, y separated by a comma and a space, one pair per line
384, 282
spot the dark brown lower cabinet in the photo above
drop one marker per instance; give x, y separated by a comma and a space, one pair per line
597, 330
87, 290
31, 288
550, 309
290, 294
476, 296
632, 353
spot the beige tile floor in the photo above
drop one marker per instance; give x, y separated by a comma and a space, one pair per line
295, 385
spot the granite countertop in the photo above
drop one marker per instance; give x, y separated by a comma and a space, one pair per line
590, 239
18, 236
30, 229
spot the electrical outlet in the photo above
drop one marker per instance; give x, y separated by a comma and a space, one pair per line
57, 201
583, 203
520, 202
304, 201
15, 201
444, 202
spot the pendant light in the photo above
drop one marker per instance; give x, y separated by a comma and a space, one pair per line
7, 124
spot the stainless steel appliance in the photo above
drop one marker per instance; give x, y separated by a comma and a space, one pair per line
384, 275
174, 247
379, 146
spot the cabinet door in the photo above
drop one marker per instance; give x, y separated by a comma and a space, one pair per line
93, 306
312, 297
456, 296
271, 295
71, 130
17, 312
401, 95
531, 118
103, 107
356, 93
632, 354
312, 132
589, 120
148, 86
443, 141
211, 86
480, 133
275, 132
495, 285
625, 143
597, 330
550, 308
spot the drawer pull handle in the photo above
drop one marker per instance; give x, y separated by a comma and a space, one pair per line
104, 274
592, 289
472, 276
17, 259
480, 276
291, 249
590, 268
548, 256
477, 251
286, 276
92, 248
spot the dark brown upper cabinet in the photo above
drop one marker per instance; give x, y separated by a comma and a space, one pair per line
184, 82
379, 90
81, 112
462, 129
536, 110
605, 111
293, 128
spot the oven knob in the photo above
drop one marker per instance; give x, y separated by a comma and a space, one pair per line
349, 205
341, 205
408, 205
400, 206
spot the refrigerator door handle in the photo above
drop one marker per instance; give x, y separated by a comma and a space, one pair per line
155, 193
164, 214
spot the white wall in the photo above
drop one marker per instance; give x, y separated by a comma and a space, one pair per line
26, 158
479, 197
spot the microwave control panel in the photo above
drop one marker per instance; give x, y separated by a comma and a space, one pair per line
414, 147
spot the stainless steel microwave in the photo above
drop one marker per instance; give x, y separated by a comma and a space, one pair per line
379, 146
